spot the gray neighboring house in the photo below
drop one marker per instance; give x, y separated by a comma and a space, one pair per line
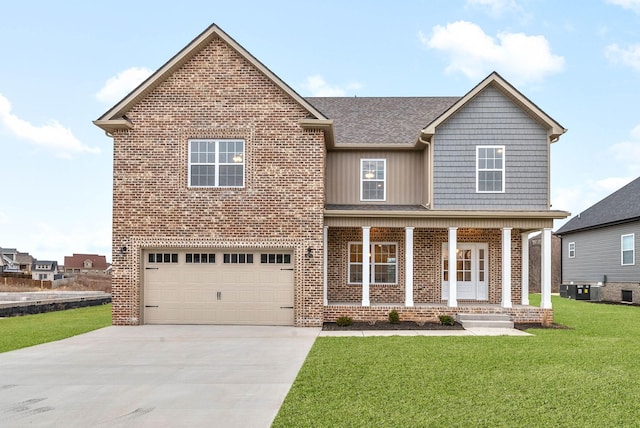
45, 270
599, 247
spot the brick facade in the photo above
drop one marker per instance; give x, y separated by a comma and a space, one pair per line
217, 94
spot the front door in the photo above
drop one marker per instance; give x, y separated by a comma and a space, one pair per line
471, 271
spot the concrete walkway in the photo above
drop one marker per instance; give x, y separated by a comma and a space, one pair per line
467, 332
154, 376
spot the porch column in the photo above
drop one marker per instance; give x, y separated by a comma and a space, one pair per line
408, 266
366, 265
525, 268
453, 274
325, 251
545, 268
506, 267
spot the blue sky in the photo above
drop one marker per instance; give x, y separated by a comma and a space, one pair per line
65, 63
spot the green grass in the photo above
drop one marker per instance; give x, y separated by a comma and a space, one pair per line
29, 330
586, 376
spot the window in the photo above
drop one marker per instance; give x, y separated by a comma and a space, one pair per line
490, 169
200, 258
277, 258
163, 258
234, 258
384, 263
627, 243
572, 250
373, 179
216, 163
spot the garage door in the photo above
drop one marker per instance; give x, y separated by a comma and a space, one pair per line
218, 287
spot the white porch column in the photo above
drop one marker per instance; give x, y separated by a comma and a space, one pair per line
453, 274
525, 268
325, 251
506, 267
408, 266
366, 265
545, 268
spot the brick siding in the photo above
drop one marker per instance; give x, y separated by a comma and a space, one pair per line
217, 94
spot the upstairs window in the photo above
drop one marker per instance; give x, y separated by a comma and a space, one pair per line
572, 250
627, 244
373, 178
490, 169
216, 163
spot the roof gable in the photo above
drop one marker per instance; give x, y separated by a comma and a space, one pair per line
621, 206
554, 129
115, 118
78, 261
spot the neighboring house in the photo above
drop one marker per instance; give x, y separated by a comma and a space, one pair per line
600, 246
14, 261
237, 201
45, 270
85, 263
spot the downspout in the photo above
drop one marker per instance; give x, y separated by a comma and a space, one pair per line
430, 167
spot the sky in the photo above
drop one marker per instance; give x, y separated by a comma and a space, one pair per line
65, 63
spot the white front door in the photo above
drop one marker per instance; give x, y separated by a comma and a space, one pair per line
471, 271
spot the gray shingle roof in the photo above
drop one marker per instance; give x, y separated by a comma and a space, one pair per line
621, 206
380, 120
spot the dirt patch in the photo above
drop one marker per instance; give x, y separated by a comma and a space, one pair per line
386, 325
83, 282
533, 325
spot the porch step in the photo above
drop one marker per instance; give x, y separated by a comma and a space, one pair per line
484, 320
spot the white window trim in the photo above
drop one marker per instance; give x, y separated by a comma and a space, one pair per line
372, 263
503, 169
384, 180
572, 250
633, 249
217, 163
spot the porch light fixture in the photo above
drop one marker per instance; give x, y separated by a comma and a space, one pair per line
309, 252
237, 158
123, 249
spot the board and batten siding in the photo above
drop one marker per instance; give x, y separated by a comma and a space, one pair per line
598, 253
491, 119
405, 176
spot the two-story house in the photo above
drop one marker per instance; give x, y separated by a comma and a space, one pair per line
85, 263
45, 270
237, 201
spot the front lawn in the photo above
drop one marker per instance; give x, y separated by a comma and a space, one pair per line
29, 330
586, 376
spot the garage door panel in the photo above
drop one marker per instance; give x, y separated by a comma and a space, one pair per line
217, 293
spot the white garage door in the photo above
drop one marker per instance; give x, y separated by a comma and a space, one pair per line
218, 287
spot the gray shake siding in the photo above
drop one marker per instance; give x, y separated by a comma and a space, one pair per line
598, 254
491, 119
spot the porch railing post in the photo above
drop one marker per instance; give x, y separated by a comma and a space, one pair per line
506, 267
366, 265
408, 266
525, 268
545, 268
453, 272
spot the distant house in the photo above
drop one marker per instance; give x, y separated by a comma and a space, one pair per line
599, 246
11, 260
45, 270
86, 263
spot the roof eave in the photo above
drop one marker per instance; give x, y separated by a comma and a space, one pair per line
554, 128
551, 214
112, 125
121, 108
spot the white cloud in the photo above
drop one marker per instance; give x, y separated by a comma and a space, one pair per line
628, 152
629, 56
633, 5
495, 8
116, 87
51, 135
316, 86
474, 53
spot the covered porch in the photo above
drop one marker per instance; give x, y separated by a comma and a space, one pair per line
377, 264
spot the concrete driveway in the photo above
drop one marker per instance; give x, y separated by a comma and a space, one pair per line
154, 376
